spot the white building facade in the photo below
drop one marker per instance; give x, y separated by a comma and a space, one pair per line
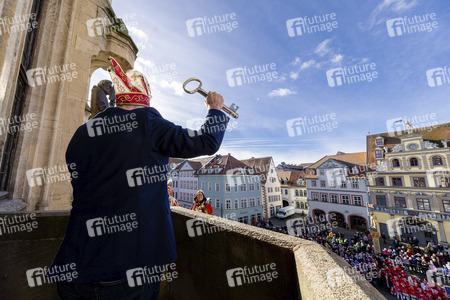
339, 192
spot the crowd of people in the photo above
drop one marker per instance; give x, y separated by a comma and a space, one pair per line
406, 270
401, 268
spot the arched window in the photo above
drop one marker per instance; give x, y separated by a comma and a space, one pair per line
437, 161
395, 163
414, 162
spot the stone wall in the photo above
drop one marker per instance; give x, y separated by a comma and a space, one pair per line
303, 267
59, 107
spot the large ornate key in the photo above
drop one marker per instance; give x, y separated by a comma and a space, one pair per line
229, 110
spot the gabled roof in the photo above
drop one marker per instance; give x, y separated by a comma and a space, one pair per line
222, 164
259, 165
348, 159
357, 158
292, 177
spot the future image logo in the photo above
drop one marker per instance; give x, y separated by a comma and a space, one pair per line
311, 124
248, 275
197, 227
111, 125
438, 76
411, 25
52, 174
351, 74
209, 25
309, 25
145, 275
251, 74
110, 225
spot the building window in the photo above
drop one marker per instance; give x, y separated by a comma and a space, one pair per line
252, 202
379, 142
191, 185
395, 163
236, 203
296, 193
203, 186
400, 202
333, 183
246, 220
322, 172
437, 161
285, 191
227, 187
381, 200
379, 181
258, 201
313, 183
378, 154
257, 186
322, 183
397, 181
413, 162
297, 205
315, 196
209, 186
446, 205
235, 187
217, 187
244, 203
334, 198
324, 197
419, 182
443, 181
355, 184
217, 203
344, 184
228, 204
251, 186
345, 199
357, 200
423, 204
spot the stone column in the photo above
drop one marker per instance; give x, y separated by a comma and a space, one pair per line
442, 232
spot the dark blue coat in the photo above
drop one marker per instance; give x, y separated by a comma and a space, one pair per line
111, 152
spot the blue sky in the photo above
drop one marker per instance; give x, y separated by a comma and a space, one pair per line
261, 37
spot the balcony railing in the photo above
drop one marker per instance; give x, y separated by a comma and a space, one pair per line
305, 270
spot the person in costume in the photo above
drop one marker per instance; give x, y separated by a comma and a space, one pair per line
172, 200
200, 203
121, 157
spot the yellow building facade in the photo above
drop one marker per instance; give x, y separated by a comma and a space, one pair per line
410, 189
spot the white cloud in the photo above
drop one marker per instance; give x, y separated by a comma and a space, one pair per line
144, 66
140, 37
293, 75
397, 6
281, 92
296, 61
337, 59
322, 49
307, 64
174, 85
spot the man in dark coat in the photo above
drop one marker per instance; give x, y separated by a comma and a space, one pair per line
119, 239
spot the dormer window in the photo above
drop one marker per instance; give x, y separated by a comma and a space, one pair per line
379, 141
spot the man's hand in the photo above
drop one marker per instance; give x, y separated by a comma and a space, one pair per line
214, 101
